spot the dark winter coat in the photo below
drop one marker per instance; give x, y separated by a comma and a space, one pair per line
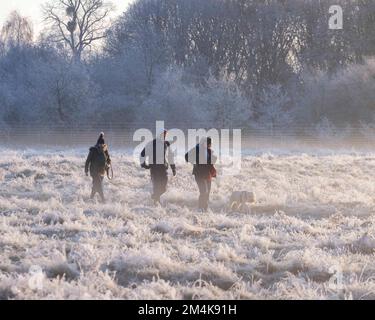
158, 162
203, 163
97, 160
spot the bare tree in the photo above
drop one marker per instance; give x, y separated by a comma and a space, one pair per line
17, 30
141, 31
77, 23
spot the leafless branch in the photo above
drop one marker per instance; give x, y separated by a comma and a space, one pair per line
84, 25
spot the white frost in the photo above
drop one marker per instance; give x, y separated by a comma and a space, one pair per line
313, 212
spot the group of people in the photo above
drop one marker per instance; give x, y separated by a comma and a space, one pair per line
158, 158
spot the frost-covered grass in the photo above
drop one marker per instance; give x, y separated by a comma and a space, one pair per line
313, 213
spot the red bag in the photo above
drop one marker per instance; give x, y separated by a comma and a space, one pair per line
213, 173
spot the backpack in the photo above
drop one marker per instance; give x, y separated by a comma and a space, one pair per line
213, 173
101, 159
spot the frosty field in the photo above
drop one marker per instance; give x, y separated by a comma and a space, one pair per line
314, 215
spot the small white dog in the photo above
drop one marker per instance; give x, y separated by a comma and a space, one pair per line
239, 200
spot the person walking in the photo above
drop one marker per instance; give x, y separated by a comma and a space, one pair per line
97, 162
158, 157
203, 160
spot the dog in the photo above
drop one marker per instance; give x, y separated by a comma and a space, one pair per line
240, 200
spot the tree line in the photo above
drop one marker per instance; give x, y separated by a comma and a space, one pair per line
264, 64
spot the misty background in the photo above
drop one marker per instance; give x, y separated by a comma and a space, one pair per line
269, 67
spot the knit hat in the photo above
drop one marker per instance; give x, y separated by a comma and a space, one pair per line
162, 133
205, 141
101, 139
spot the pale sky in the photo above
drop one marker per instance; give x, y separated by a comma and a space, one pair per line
31, 9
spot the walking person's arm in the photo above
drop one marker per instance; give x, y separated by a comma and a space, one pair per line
109, 161
191, 155
212, 157
171, 160
142, 159
87, 164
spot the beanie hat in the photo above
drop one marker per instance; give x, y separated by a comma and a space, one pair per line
205, 141
101, 139
161, 133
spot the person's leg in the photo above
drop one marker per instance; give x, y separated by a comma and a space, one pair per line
207, 184
201, 188
159, 184
159, 179
94, 187
100, 188
155, 188
163, 184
